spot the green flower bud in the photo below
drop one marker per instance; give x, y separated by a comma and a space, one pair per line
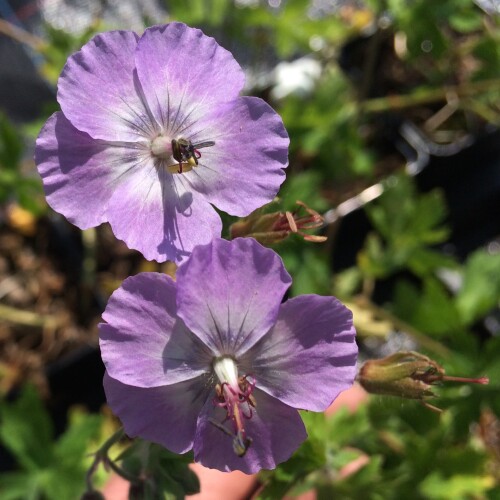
407, 375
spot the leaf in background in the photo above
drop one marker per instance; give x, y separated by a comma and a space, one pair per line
466, 18
73, 445
13, 183
52, 470
306, 187
11, 145
307, 459
325, 131
166, 474
26, 430
359, 485
406, 218
423, 261
480, 291
487, 54
308, 264
409, 222
374, 260
367, 323
346, 282
456, 487
489, 364
430, 310
179, 478
345, 427
19, 486
61, 44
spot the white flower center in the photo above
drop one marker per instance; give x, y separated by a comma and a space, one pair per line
161, 147
226, 370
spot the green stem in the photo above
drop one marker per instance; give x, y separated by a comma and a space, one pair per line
22, 36
426, 96
482, 110
118, 470
27, 318
101, 455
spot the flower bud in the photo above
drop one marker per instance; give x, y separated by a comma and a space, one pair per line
270, 228
407, 375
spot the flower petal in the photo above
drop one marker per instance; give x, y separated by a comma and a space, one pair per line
276, 431
309, 356
99, 93
229, 292
140, 317
142, 342
78, 172
154, 213
244, 169
184, 75
165, 415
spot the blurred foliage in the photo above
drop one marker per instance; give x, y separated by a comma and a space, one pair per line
386, 450
49, 468
380, 63
58, 45
161, 474
15, 185
405, 226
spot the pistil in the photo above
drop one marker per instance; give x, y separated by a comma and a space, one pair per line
234, 394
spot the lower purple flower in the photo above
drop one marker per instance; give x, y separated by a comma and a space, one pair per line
214, 361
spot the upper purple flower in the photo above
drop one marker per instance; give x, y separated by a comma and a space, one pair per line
152, 132
214, 361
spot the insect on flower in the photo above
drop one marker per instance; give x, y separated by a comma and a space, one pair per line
186, 154
131, 120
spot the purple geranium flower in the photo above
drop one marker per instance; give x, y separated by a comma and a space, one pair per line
214, 362
152, 132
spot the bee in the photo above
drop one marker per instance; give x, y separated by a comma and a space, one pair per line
187, 154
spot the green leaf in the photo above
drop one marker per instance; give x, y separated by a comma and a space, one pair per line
360, 482
305, 187
180, 479
456, 487
408, 222
11, 145
64, 481
406, 218
480, 291
423, 261
19, 486
374, 260
343, 425
26, 430
432, 311
347, 282
73, 444
308, 458
308, 265
466, 21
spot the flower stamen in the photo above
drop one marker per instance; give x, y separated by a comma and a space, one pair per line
234, 394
